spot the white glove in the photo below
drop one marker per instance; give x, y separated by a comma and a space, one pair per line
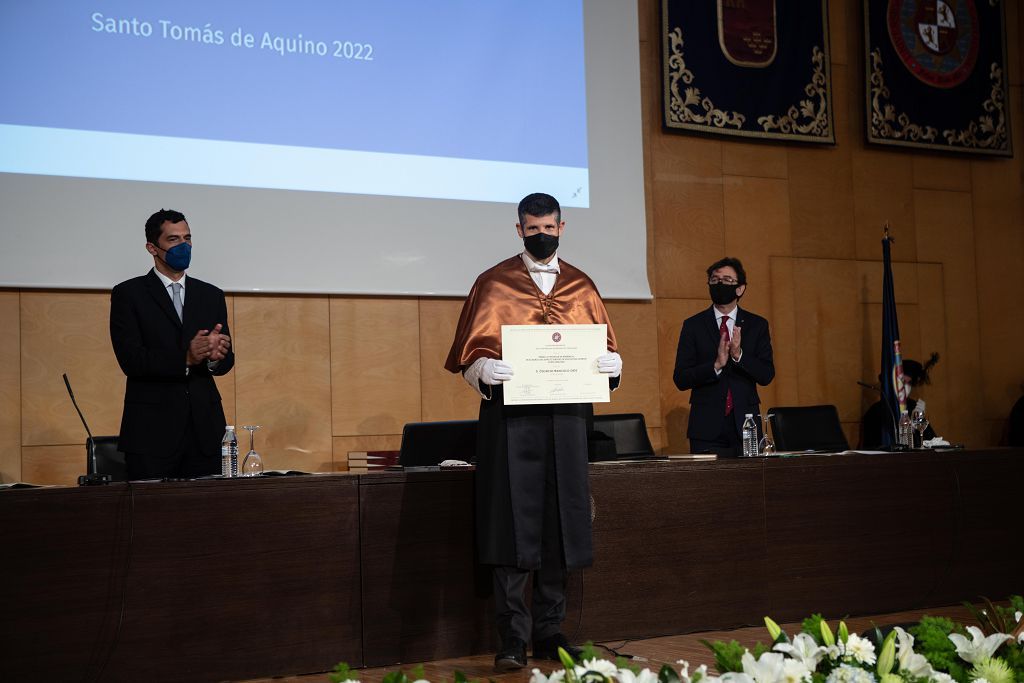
610, 364
495, 371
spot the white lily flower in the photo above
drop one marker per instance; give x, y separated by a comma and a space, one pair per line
795, 671
555, 677
767, 669
645, 676
941, 677
803, 648
1017, 616
979, 647
732, 677
909, 661
861, 649
601, 666
700, 674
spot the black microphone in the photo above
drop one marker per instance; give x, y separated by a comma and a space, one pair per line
91, 442
872, 387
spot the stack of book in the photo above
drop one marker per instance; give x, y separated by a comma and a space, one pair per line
368, 461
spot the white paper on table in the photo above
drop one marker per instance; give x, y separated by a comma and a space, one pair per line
554, 363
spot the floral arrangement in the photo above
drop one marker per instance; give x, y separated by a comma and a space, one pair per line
936, 650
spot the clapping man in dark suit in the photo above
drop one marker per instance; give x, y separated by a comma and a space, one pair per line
170, 336
724, 353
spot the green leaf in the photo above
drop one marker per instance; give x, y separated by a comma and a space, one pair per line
668, 675
812, 627
341, 673
728, 656
588, 651
460, 677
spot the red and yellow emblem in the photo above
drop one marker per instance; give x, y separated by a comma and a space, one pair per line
746, 31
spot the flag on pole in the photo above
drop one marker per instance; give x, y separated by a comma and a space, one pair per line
894, 392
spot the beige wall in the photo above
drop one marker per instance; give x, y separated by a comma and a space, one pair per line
327, 375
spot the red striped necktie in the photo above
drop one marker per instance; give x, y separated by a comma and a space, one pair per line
724, 330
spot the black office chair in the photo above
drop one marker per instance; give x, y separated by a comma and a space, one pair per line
807, 428
103, 457
428, 443
628, 431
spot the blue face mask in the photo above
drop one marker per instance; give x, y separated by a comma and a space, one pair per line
179, 256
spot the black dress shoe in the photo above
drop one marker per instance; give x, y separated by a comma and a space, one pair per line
547, 648
512, 655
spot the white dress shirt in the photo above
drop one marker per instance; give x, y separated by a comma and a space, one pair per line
168, 282
730, 324
543, 274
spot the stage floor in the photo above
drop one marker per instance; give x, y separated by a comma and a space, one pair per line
651, 652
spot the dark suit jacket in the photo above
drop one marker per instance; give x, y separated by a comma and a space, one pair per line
695, 370
151, 344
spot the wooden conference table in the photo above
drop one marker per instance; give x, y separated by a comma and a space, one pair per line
214, 580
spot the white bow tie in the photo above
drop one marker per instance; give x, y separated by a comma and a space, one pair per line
543, 268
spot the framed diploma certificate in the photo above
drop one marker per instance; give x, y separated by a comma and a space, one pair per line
554, 363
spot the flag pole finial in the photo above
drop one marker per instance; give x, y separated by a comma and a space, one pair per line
885, 231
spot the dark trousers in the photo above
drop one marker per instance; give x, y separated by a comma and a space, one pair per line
544, 617
727, 444
187, 460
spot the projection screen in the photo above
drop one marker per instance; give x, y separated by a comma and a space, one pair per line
318, 146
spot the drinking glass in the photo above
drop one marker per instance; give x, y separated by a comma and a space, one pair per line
765, 446
919, 423
252, 466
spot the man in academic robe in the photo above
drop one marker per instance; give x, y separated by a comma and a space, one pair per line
532, 489
170, 336
724, 352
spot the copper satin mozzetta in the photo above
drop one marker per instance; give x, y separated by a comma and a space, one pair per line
574, 300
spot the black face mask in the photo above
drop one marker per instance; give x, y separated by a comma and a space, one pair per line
722, 293
541, 245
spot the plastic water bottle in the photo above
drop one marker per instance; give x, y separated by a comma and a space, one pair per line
906, 435
749, 436
229, 453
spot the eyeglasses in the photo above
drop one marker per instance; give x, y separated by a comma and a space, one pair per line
723, 281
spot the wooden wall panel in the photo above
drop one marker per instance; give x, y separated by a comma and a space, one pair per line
226, 383
10, 387
755, 160
283, 379
53, 465
675, 404
375, 365
757, 216
821, 189
829, 358
636, 329
998, 204
331, 375
783, 327
68, 332
883, 192
841, 15
689, 225
934, 172
446, 396
945, 234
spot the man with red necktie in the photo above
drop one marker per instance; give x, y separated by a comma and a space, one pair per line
724, 353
